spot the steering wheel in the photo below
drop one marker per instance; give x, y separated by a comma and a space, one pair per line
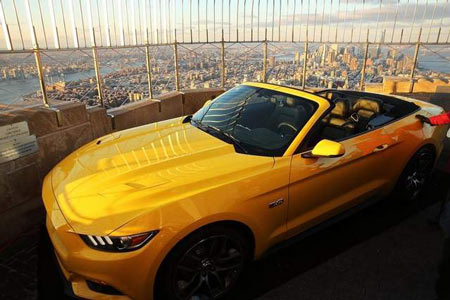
354, 119
286, 124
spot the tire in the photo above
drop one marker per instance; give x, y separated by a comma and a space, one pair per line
416, 175
206, 264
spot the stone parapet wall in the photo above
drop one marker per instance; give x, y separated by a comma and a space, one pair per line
393, 85
62, 129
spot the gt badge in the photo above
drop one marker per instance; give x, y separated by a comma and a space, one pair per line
276, 203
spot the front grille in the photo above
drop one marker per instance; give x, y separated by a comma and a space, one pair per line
102, 288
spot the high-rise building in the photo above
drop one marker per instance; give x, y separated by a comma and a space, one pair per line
272, 61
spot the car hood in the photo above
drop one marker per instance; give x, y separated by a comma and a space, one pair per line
114, 179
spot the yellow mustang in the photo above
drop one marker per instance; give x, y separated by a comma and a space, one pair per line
175, 209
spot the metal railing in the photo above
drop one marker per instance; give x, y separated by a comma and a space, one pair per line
34, 26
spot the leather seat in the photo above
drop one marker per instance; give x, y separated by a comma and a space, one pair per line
367, 108
340, 113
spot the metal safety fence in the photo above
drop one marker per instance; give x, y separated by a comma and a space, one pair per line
111, 52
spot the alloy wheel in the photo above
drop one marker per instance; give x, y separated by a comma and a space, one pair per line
418, 173
208, 269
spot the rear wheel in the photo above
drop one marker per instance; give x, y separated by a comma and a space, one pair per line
416, 174
205, 265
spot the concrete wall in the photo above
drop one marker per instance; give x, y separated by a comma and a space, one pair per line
393, 85
62, 129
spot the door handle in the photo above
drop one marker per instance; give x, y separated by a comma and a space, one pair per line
381, 148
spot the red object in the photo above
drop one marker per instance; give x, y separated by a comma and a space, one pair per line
441, 119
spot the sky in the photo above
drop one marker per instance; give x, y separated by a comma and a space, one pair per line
67, 23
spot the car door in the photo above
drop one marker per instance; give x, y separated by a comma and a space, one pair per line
323, 187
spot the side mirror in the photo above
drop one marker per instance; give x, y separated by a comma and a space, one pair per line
207, 103
325, 148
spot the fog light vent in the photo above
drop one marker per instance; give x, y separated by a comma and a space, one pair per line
102, 288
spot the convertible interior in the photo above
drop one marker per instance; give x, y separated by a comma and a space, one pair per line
357, 112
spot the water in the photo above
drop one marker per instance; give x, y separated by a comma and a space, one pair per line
11, 91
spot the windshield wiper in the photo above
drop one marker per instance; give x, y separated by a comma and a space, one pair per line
234, 140
216, 130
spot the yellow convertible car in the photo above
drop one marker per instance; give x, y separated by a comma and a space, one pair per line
176, 209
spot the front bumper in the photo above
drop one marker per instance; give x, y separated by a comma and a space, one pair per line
132, 273
78, 267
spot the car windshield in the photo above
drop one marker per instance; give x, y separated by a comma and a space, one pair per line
257, 121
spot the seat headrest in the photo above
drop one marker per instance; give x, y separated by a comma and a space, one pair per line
290, 101
367, 104
341, 109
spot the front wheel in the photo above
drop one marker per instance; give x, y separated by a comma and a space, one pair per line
205, 265
415, 175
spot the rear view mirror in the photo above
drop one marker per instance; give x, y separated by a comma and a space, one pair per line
325, 148
448, 133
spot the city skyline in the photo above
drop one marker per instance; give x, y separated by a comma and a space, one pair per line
124, 77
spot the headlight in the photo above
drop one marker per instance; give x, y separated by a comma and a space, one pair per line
118, 243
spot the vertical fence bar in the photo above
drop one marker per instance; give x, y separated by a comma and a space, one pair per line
293, 21
149, 71
214, 20
74, 26
30, 26
442, 21
305, 62
378, 21
106, 24
259, 6
345, 20
222, 53
27, 6
64, 23
413, 67
37, 57
337, 22
360, 22
432, 20
413, 21
175, 58
5, 28
251, 22
198, 20
245, 4
190, 19
273, 19
37, 54
133, 23
98, 77
279, 23
237, 21
395, 21
321, 22
121, 30
42, 23
82, 23
206, 22
265, 60
363, 71
53, 23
